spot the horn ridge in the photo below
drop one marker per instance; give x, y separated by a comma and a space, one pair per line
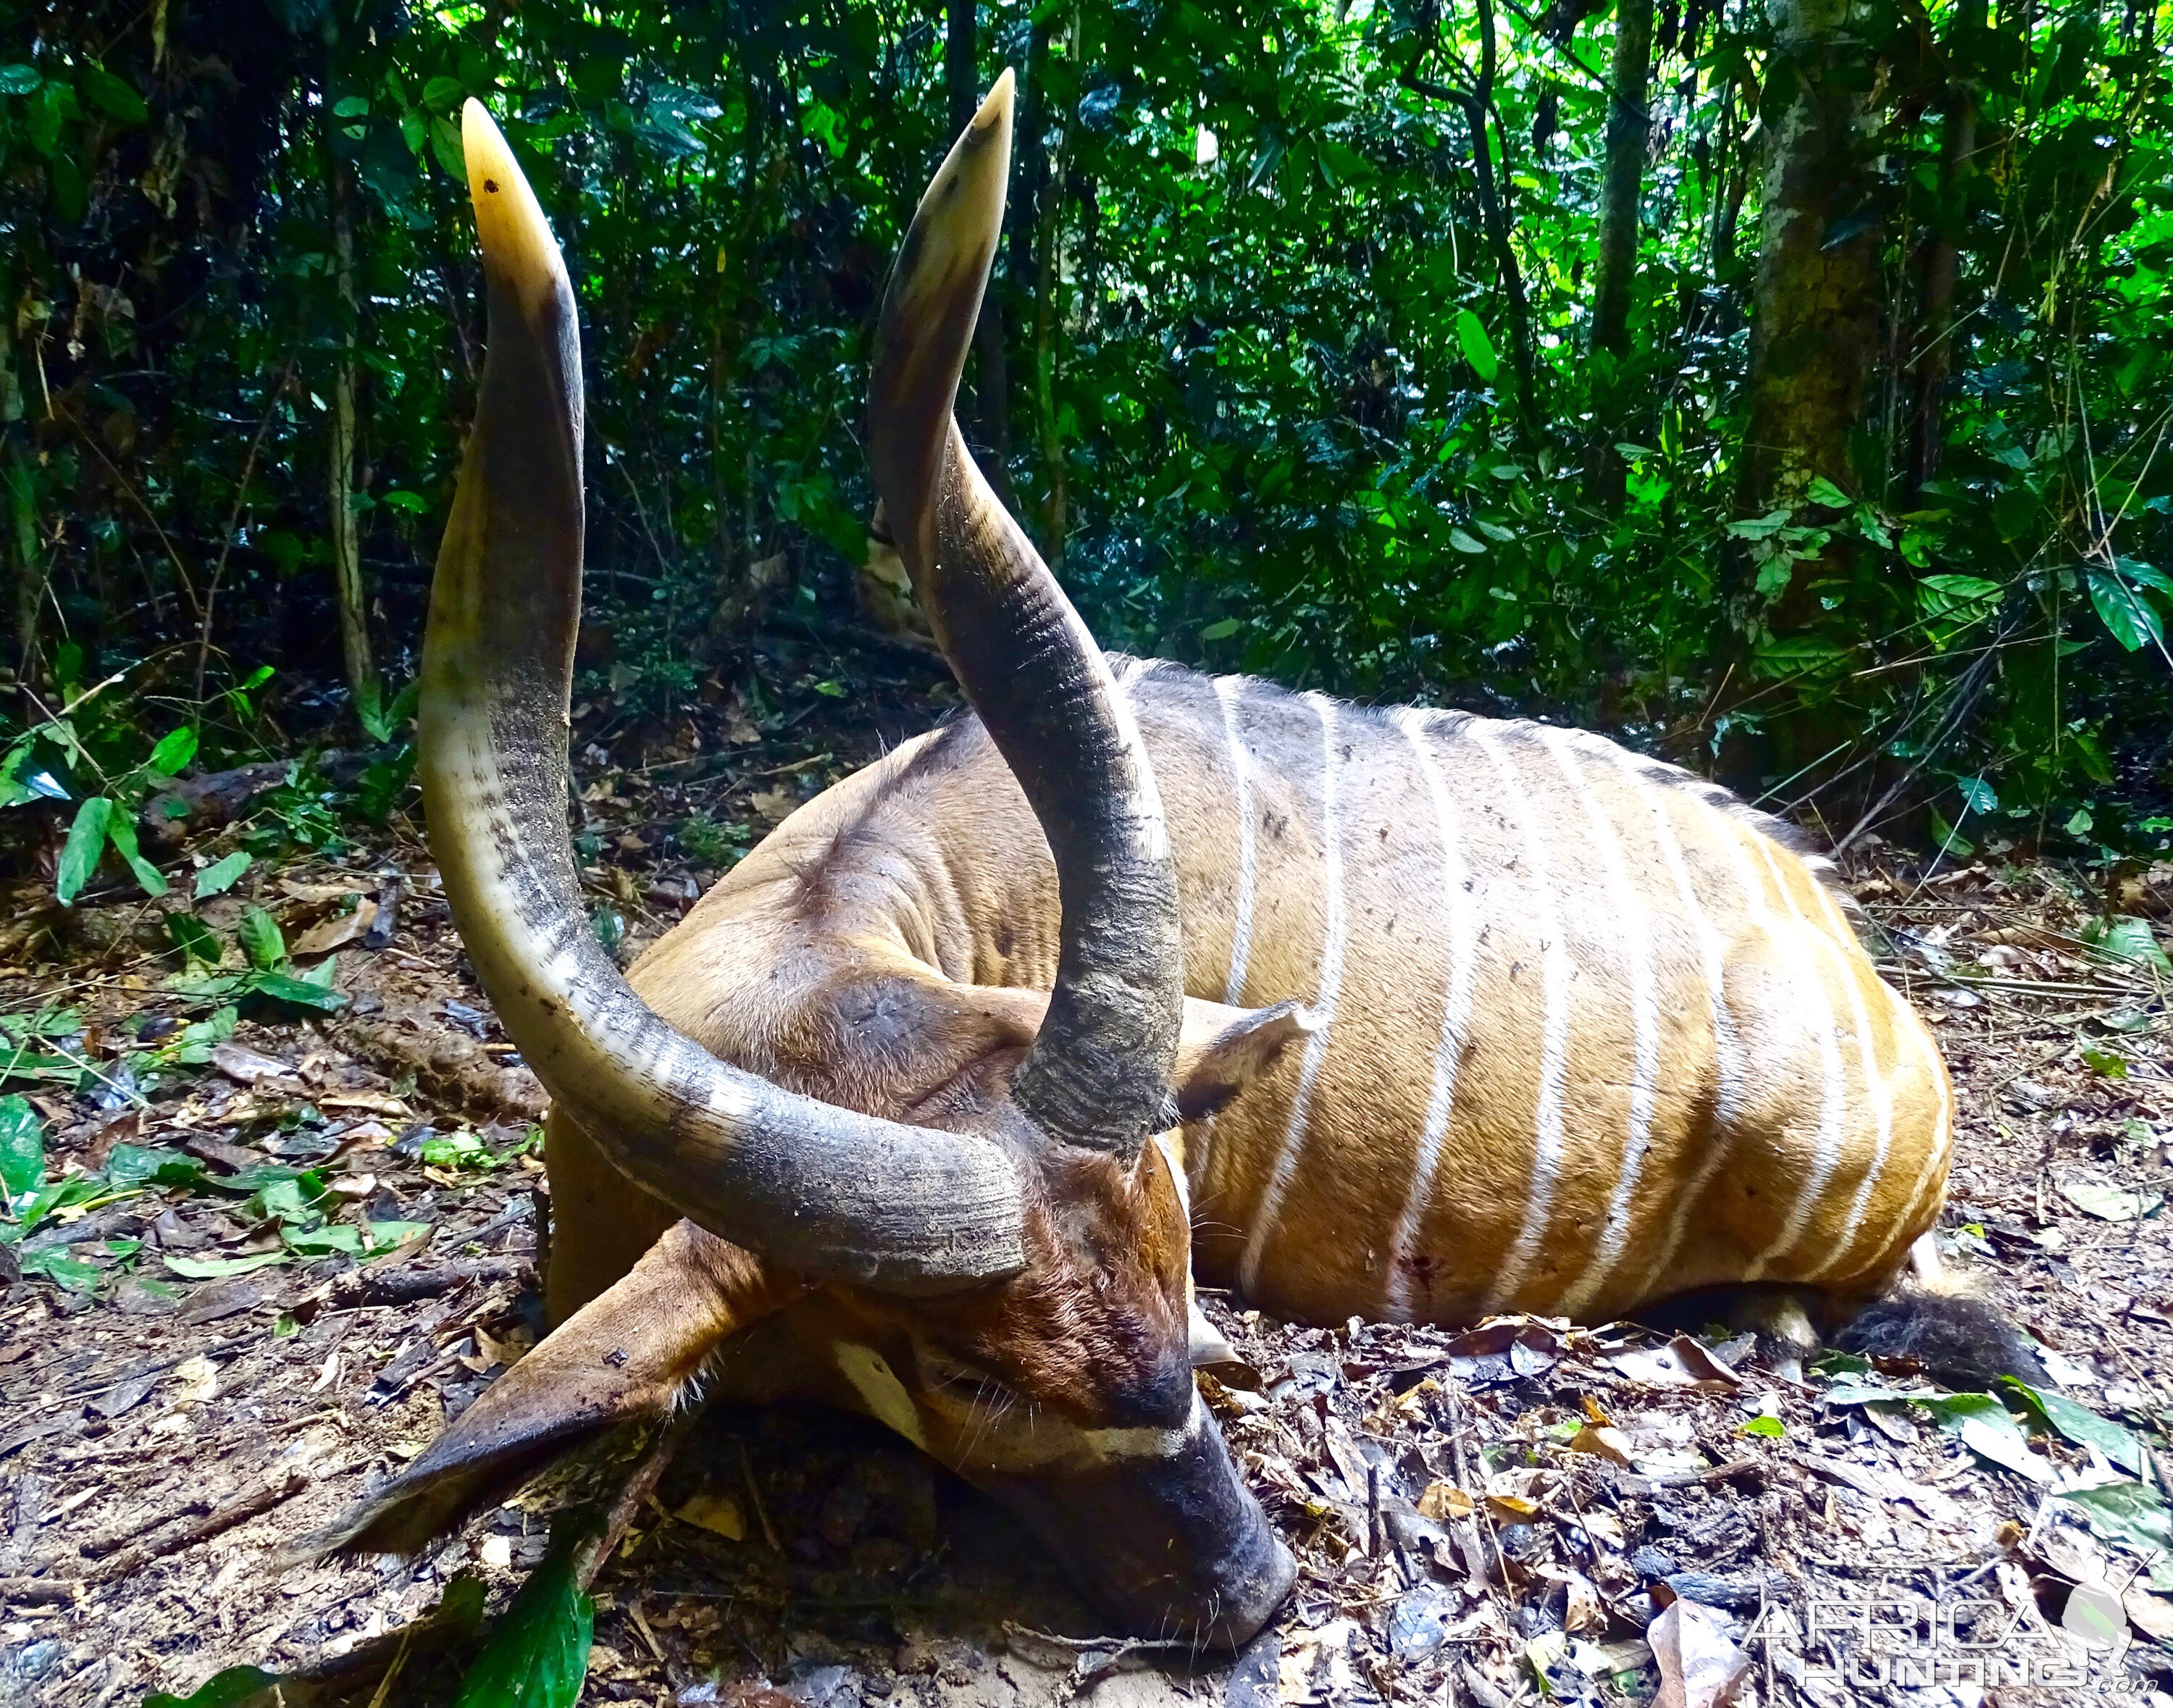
825, 1191
1098, 1073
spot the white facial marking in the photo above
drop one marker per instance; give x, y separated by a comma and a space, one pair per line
880, 1390
1019, 1441
1548, 1113
1456, 1014
1628, 910
1323, 1007
1226, 690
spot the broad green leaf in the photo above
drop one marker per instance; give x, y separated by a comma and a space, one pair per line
237, 1687
130, 1166
221, 876
1469, 544
86, 842
212, 1268
174, 751
22, 1145
538, 1656
333, 1237
60, 1266
1477, 348
18, 79
194, 938
1823, 491
1980, 795
2134, 1516
2125, 938
300, 993
260, 939
120, 831
1770, 1427
1988, 1430
1221, 630
2080, 1424
2129, 618
112, 95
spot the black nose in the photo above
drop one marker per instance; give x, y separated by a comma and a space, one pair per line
1173, 1546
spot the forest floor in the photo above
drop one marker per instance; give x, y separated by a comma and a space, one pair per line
197, 1366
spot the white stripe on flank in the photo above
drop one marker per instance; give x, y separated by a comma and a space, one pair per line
1456, 1015
1941, 1150
1876, 1085
1323, 1006
1827, 1157
1629, 911
1728, 1048
1547, 1118
1226, 690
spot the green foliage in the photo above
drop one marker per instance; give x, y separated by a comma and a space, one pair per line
1280, 382
538, 1656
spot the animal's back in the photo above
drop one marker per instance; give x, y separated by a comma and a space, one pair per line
1586, 1035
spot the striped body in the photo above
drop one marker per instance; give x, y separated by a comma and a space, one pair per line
1586, 1037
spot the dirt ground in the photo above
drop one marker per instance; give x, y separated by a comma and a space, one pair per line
1497, 1516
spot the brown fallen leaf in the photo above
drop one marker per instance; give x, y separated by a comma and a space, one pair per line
1605, 1442
2151, 1614
719, 1514
246, 1066
1443, 1501
1699, 1666
318, 894
338, 931
774, 804
372, 1103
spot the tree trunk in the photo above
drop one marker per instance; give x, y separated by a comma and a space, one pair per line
1629, 126
1937, 334
1478, 105
339, 472
1814, 341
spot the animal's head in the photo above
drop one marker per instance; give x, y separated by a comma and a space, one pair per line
1017, 1274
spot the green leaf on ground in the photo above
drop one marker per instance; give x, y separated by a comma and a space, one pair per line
2082, 1426
1988, 1430
86, 842
22, 1145
538, 1656
120, 831
300, 993
58, 1264
221, 876
2134, 1516
130, 1166
261, 940
2127, 939
237, 1687
198, 945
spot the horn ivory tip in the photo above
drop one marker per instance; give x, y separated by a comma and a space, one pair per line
518, 248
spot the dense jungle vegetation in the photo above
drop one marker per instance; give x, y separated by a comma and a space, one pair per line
1780, 385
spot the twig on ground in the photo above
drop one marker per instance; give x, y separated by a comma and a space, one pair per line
173, 1540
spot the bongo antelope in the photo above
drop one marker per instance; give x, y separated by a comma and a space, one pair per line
935, 1105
